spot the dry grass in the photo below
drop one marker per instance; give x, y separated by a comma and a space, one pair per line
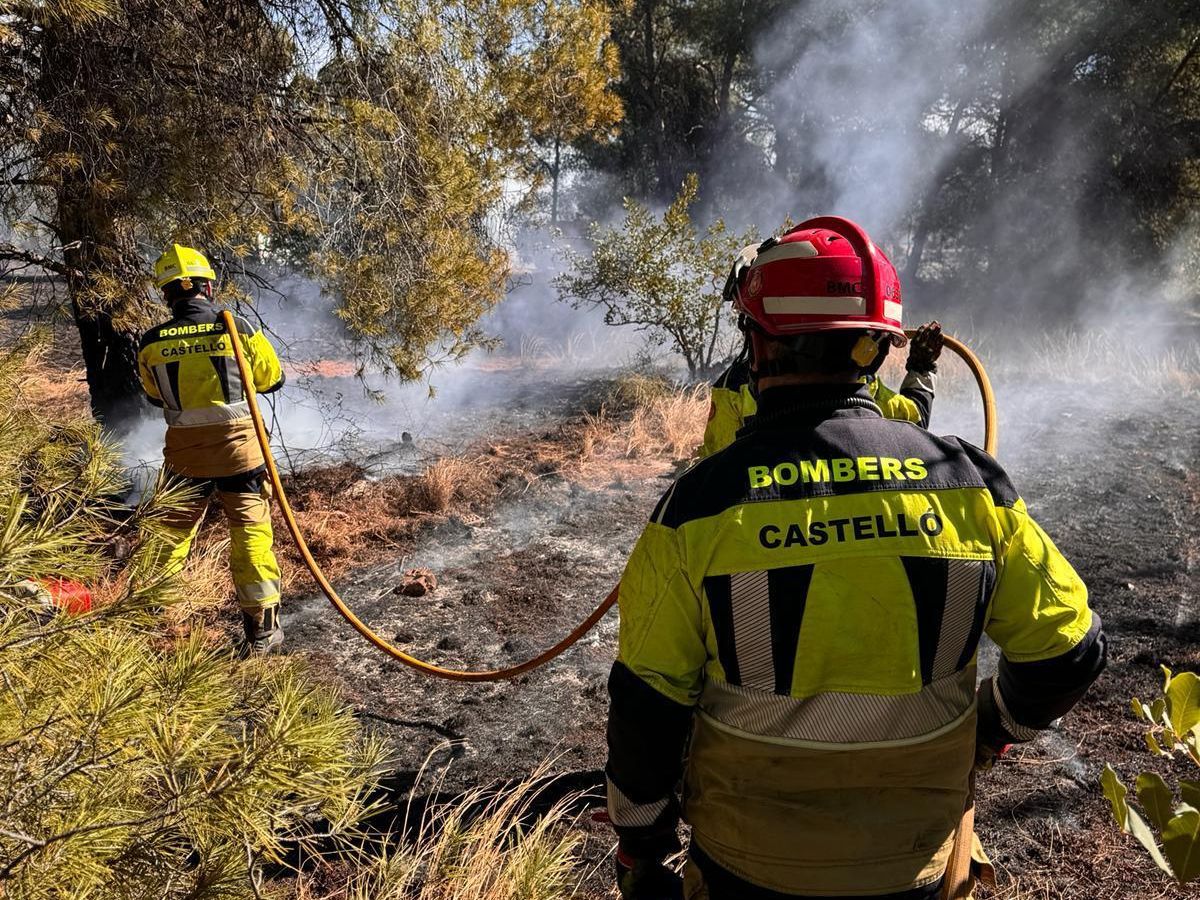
350, 519
451, 481
484, 846
203, 607
672, 425
1022, 889
1074, 356
659, 422
59, 393
631, 390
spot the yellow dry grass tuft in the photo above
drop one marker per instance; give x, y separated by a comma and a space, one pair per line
594, 431
659, 424
449, 481
206, 606
633, 389
671, 425
484, 846
57, 392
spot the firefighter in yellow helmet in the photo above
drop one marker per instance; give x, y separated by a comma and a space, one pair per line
803, 614
188, 369
733, 401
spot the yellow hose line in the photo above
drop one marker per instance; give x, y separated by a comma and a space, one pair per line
545, 656
355, 622
990, 428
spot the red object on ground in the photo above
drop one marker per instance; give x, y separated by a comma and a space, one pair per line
824, 275
71, 597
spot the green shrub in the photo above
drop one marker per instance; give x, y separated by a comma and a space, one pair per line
1174, 720
661, 276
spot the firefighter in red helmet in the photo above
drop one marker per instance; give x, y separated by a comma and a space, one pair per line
733, 401
803, 613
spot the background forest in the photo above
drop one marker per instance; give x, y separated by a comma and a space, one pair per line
1016, 159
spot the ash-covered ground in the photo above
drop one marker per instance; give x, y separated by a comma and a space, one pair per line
1110, 471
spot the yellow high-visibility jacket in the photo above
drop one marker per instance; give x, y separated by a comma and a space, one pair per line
188, 369
805, 607
732, 403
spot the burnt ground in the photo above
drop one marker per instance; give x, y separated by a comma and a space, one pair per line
1113, 478
1115, 481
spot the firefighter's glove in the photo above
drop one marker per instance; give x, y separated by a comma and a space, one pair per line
925, 348
647, 879
992, 740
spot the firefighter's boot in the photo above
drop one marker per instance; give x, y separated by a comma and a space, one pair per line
264, 634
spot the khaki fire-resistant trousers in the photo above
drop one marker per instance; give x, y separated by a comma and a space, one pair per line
245, 499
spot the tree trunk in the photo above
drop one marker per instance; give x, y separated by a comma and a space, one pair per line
104, 313
663, 167
110, 357
105, 281
712, 343
734, 41
925, 219
554, 174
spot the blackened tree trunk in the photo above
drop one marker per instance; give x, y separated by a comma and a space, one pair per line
555, 173
104, 284
106, 287
103, 269
110, 357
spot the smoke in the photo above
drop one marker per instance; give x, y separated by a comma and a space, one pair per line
335, 406
956, 133
861, 104
975, 141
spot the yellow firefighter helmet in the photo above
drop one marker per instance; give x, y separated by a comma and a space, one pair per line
178, 262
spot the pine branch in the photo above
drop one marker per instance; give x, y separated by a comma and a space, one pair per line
16, 254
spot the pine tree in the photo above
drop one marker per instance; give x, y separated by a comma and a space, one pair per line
362, 143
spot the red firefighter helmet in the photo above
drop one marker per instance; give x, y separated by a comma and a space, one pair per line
823, 275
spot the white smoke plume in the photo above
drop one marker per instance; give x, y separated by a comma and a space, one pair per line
335, 407
868, 107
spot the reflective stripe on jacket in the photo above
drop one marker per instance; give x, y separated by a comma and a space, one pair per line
807, 605
188, 369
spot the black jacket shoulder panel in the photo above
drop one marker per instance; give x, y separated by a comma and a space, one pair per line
186, 314
150, 336
733, 378
1003, 492
807, 457
667, 511
244, 326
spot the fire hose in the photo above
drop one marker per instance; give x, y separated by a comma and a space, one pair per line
260, 429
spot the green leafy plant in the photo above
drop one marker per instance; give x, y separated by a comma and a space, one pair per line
659, 275
1174, 720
